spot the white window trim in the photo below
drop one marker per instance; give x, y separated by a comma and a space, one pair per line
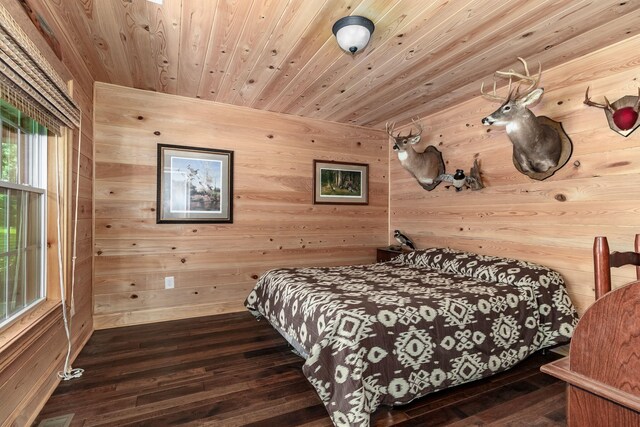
30, 322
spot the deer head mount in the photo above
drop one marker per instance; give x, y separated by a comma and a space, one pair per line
540, 145
425, 167
622, 114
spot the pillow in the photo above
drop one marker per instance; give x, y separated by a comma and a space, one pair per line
483, 267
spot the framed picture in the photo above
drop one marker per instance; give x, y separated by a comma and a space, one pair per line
195, 185
340, 183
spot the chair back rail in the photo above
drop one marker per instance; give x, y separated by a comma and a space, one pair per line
603, 260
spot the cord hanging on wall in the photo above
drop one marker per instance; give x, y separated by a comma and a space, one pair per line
68, 372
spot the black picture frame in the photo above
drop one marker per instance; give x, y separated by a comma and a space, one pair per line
194, 185
353, 191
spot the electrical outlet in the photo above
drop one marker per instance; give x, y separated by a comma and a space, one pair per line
169, 282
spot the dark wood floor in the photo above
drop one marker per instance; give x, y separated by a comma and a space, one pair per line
230, 370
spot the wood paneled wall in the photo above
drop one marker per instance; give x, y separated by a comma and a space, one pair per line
275, 223
552, 222
29, 364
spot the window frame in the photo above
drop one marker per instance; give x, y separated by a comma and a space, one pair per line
12, 331
40, 287
31, 176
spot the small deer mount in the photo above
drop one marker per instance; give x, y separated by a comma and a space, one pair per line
425, 167
540, 145
622, 114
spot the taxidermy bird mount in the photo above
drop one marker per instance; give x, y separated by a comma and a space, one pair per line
460, 180
403, 240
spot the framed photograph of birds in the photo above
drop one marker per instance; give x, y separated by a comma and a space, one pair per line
195, 185
339, 183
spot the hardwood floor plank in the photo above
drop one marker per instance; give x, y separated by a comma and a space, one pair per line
242, 400
174, 344
537, 414
264, 410
530, 406
231, 370
522, 403
462, 393
325, 422
293, 418
169, 365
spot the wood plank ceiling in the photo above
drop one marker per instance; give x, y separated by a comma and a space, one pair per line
280, 55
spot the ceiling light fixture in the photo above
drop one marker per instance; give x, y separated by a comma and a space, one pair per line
353, 32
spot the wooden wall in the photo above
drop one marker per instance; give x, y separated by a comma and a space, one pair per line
552, 222
29, 363
275, 223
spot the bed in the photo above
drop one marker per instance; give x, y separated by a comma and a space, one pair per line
387, 333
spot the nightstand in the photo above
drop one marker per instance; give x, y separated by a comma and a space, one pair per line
386, 254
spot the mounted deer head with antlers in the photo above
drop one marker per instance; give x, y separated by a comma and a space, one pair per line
540, 146
623, 113
427, 166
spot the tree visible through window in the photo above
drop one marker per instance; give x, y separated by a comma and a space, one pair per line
23, 172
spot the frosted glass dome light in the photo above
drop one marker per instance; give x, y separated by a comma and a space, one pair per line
353, 32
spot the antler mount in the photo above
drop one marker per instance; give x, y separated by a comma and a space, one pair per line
520, 79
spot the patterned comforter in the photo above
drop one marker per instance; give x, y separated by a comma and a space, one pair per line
390, 332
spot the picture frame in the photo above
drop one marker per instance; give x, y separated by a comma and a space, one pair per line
194, 185
340, 183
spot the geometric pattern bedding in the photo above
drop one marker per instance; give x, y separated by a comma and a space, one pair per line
387, 333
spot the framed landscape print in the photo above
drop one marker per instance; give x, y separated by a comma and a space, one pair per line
340, 183
195, 185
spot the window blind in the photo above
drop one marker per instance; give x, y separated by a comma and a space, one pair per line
30, 83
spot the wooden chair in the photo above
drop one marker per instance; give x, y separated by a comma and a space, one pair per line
603, 260
603, 368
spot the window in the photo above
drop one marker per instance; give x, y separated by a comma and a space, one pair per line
23, 184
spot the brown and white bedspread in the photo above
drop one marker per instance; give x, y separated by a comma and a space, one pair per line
390, 332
